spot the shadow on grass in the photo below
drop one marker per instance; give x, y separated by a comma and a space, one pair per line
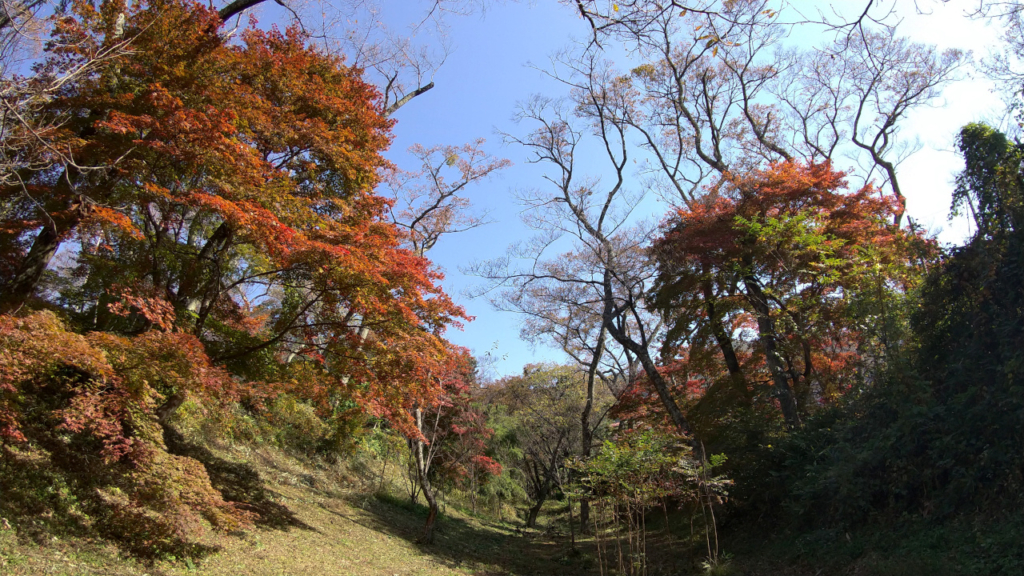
489, 549
53, 495
237, 482
40, 497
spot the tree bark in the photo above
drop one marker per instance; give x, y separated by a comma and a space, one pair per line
766, 336
237, 7
587, 439
422, 472
170, 406
640, 350
428, 528
12, 11
643, 355
531, 519
542, 483
724, 341
199, 285
572, 525
45, 245
405, 100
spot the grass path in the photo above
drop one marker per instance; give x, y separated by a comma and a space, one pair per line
359, 535
311, 526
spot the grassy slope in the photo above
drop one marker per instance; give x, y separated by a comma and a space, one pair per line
312, 524
317, 520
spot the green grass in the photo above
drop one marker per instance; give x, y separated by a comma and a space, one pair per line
318, 520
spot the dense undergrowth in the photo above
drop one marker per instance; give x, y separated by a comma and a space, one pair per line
924, 471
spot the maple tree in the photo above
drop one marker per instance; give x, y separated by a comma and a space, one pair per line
711, 97
92, 397
236, 188
216, 197
781, 259
909, 444
191, 212
450, 436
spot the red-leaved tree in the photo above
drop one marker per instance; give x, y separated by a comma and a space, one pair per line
451, 434
775, 284
211, 222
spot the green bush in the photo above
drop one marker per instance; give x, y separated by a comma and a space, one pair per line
294, 424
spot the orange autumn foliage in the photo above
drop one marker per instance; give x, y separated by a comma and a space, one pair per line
231, 169
89, 399
781, 265
227, 240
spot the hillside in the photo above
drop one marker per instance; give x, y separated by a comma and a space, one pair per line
325, 519
315, 520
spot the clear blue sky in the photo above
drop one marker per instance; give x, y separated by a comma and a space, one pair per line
486, 74
475, 96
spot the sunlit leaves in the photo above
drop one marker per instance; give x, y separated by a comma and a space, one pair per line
787, 247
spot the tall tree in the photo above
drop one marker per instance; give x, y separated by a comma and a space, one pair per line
238, 187
606, 266
449, 440
428, 204
708, 99
784, 256
717, 90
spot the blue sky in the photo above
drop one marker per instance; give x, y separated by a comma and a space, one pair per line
475, 96
487, 74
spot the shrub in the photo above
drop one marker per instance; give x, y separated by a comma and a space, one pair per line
85, 408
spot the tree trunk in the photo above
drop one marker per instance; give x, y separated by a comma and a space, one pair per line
766, 328
587, 431
584, 516
236, 7
17, 292
724, 341
541, 480
170, 406
428, 528
199, 284
473, 488
59, 220
422, 473
531, 518
639, 349
572, 526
